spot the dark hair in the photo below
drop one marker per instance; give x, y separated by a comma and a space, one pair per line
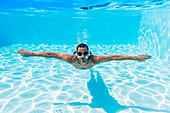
82, 45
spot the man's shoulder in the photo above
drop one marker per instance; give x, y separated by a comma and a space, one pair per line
73, 58
68, 58
94, 58
98, 59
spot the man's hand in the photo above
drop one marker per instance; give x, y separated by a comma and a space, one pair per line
25, 52
143, 57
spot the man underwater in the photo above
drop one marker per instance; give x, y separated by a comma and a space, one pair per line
82, 57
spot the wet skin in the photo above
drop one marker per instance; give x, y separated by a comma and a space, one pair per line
83, 61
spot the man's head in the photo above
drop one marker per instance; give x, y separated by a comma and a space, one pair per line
82, 52
82, 46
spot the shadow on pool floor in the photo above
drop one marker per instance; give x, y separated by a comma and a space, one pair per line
102, 98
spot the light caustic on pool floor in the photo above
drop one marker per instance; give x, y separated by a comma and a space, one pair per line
35, 84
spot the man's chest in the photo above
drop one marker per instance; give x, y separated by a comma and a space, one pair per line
87, 65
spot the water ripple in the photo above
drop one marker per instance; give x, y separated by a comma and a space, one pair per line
34, 84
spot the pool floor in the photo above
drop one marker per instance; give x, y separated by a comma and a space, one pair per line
48, 85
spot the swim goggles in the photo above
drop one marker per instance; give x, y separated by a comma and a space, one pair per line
84, 53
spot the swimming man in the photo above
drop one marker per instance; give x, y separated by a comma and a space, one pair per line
82, 57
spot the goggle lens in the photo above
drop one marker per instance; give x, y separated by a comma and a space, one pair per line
85, 53
79, 53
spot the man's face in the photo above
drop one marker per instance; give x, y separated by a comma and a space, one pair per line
82, 54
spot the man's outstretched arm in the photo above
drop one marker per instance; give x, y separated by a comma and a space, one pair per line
106, 58
60, 56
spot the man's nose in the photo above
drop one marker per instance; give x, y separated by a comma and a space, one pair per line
82, 55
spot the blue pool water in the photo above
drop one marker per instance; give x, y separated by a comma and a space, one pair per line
47, 85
